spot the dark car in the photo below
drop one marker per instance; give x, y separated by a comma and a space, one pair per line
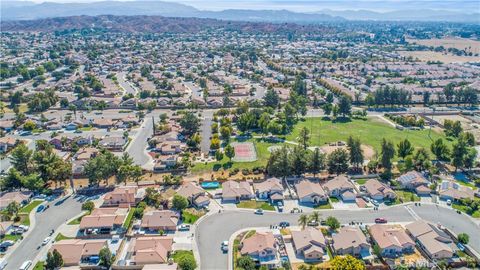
284, 224
380, 220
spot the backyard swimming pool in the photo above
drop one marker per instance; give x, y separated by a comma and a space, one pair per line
210, 185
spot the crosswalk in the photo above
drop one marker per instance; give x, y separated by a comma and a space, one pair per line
412, 213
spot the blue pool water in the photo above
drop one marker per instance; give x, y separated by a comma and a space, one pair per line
210, 185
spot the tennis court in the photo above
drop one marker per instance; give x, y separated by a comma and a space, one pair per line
244, 152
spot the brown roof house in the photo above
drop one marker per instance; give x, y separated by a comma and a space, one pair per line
379, 191
309, 244
195, 195
270, 189
340, 187
392, 240
450, 190
164, 220
310, 193
435, 242
415, 181
262, 248
103, 221
351, 240
149, 250
21, 197
124, 196
79, 252
7, 143
233, 191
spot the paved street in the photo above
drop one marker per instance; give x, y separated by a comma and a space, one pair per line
125, 84
206, 130
219, 227
52, 218
137, 147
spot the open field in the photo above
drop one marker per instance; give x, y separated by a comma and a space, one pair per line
458, 43
438, 56
370, 131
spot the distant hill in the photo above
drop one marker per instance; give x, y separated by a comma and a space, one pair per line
405, 15
150, 24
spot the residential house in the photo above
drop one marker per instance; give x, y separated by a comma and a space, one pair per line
350, 240
149, 250
7, 143
451, 190
102, 123
113, 143
379, 191
164, 220
392, 240
309, 244
20, 197
435, 242
340, 187
7, 125
310, 192
262, 248
270, 189
79, 252
124, 196
5, 227
195, 195
233, 191
415, 181
103, 220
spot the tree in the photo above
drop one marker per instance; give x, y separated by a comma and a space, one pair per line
404, 148
279, 164
218, 155
246, 263
440, 149
470, 158
271, 98
459, 150
187, 263
88, 206
463, 238
332, 223
106, 257
189, 123
229, 152
317, 162
303, 220
54, 260
179, 202
337, 161
32, 182
225, 131
315, 216
421, 159
299, 160
346, 263
356, 153
387, 154
345, 106
12, 209
20, 158
452, 128
327, 108
304, 137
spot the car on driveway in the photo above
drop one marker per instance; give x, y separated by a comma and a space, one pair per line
184, 227
46, 240
380, 220
313, 223
7, 243
224, 246
259, 212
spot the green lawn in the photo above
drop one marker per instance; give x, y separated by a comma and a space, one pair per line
334, 199
128, 220
10, 237
250, 234
262, 157
463, 208
77, 220
189, 217
361, 181
39, 266
255, 205
29, 207
178, 254
60, 237
324, 206
370, 131
406, 196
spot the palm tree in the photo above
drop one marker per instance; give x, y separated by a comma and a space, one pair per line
303, 220
315, 216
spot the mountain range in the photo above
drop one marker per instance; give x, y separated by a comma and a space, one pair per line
25, 10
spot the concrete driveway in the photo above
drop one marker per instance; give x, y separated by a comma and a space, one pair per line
215, 229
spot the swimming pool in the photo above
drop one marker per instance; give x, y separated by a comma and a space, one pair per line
210, 185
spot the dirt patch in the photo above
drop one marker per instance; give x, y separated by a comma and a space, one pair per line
438, 56
458, 43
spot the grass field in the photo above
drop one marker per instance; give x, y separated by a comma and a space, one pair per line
77, 220
39, 266
255, 205
178, 254
24, 212
324, 206
189, 218
262, 157
463, 208
370, 132
60, 237
128, 220
406, 196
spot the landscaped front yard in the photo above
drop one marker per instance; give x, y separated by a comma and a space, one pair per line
255, 205
324, 206
464, 209
24, 212
191, 216
406, 196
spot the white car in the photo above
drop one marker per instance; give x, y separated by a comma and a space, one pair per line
449, 202
224, 246
259, 211
46, 240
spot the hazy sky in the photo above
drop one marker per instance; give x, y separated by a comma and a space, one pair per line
470, 6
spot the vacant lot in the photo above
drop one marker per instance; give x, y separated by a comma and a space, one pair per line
458, 43
438, 56
370, 132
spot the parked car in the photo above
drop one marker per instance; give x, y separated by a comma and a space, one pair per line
25, 133
449, 202
380, 220
46, 240
259, 212
40, 208
284, 224
184, 227
7, 243
313, 223
224, 246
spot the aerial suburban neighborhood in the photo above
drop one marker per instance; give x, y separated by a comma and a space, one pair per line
212, 141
